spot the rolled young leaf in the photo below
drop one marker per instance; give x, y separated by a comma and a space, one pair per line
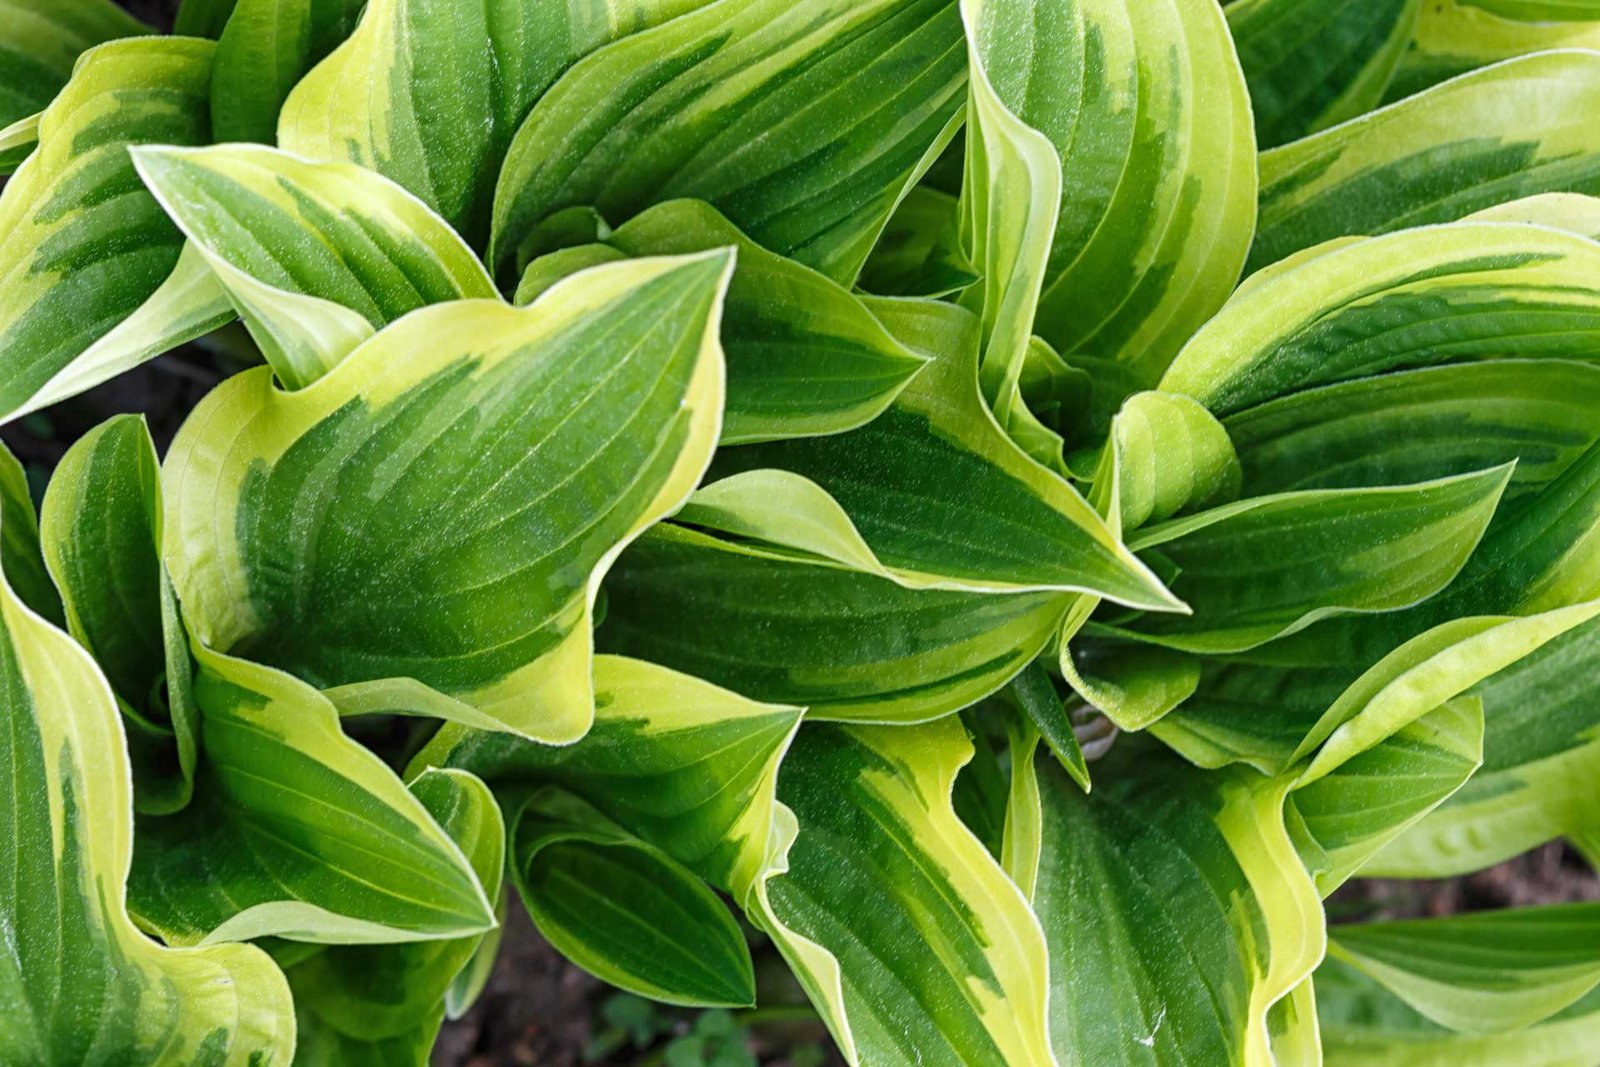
78, 982
429, 94
804, 356
488, 463
101, 532
315, 256
352, 998
1483, 972
624, 910
92, 279
1110, 185
1311, 65
863, 92
296, 831
1507, 131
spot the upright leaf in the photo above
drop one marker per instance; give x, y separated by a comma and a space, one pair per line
90, 273
21, 556
430, 92
101, 529
78, 982
266, 47
315, 256
425, 529
862, 92
1110, 178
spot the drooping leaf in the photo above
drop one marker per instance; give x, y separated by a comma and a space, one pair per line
266, 47
677, 762
296, 831
1541, 774
40, 41
936, 490
100, 529
864, 92
805, 357
315, 256
1110, 192
1175, 909
1482, 972
1440, 294
78, 982
1271, 566
382, 1003
430, 92
909, 937
1311, 65
1346, 813
471, 470
1507, 131
625, 910
792, 631
92, 279
1364, 1025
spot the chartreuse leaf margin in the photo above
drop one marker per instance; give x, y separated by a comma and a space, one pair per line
1001, 507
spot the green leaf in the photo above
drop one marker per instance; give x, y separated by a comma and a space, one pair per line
906, 933
1483, 972
1541, 10
1366, 1026
1467, 291
20, 554
17, 141
266, 47
932, 490
370, 995
1454, 37
486, 461
1541, 774
93, 282
100, 530
1180, 893
429, 93
790, 631
805, 357
1417, 425
202, 18
1341, 816
1110, 179
919, 252
1507, 131
624, 910
862, 94
315, 256
40, 41
1311, 65
1035, 695
1271, 566
296, 831
78, 982
679, 763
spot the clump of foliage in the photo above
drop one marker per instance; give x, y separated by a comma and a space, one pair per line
783, 454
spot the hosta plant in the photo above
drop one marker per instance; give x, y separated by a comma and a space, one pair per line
811, 467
